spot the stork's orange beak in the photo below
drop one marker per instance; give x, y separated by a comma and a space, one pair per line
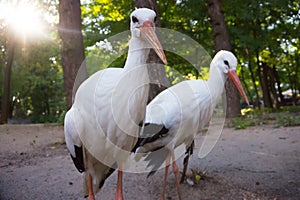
233, 76
148, 30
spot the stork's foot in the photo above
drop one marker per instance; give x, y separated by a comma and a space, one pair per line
91, 197
90, 186
119, 195
119, 192
176, 170
162, 197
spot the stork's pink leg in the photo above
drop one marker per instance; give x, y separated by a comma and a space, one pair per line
90, 186
176, 170
119, 193
165, 178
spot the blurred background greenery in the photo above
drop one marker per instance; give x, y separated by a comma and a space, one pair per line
264, 36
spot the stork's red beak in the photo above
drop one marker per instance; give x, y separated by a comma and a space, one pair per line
233, 76
148, 30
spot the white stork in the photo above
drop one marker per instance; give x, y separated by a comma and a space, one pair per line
175, 115
102, 126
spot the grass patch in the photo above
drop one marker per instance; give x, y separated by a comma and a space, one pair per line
288, 120
285, 116
242, 123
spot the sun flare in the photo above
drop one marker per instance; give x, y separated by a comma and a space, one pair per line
23, 18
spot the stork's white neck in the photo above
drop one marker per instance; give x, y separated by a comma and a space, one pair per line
137, 53
216, 82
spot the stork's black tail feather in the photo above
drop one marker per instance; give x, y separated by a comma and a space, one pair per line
150, 133
78, 159
156, 158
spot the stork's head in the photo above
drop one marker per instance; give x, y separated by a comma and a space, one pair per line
227, 63
142, 26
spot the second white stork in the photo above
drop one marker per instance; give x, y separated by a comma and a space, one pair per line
175, 115
102, 126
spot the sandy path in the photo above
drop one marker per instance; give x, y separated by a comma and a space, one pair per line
256, 163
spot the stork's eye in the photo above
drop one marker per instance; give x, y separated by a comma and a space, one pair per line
226, 63
134, 19
155, 18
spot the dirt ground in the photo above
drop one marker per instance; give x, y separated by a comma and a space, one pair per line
256, 163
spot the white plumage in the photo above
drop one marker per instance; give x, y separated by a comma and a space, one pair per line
181, 111
102, 126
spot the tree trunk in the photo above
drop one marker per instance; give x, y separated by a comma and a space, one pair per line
72, 50
254, 84
272, 88
222, 42
5, 104
156, 70
297, 59
263, 76
292, 85
278, 85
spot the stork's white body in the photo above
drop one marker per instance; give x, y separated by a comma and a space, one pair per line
185, 108
96, 118
103, 123
181, 111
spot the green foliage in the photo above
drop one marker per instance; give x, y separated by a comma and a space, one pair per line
37, 83
268, 32
102, 19
61, 117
